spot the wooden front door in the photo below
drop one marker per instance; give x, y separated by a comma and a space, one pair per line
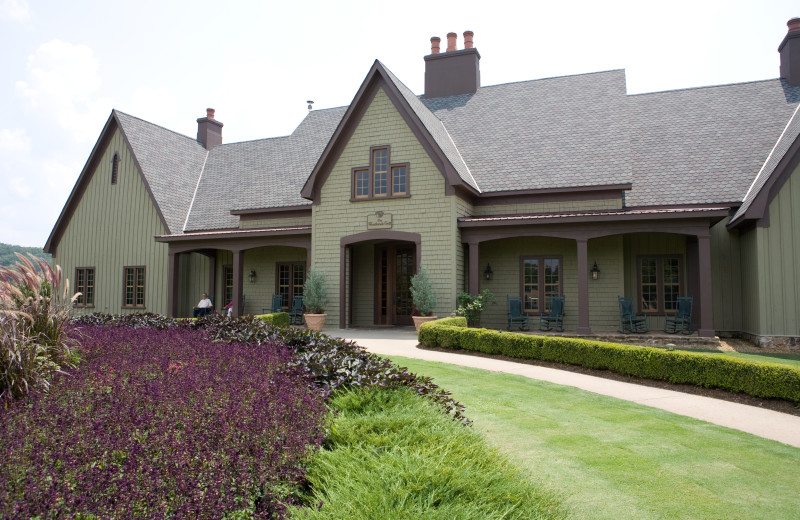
395, 267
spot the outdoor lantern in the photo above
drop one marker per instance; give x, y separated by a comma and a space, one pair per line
488, 273
595, 271
252, 276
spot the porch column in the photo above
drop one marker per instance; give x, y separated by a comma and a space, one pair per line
212, 282
474, 269
172, 284
583, 287
706, 329
238, 276
342, 286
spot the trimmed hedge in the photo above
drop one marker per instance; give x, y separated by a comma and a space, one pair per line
769, 380
279, 319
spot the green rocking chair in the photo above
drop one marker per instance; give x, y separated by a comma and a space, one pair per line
681, 321
515, 314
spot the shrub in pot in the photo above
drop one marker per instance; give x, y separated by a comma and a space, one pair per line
424, 298
315, 298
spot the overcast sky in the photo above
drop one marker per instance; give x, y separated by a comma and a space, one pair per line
65, 64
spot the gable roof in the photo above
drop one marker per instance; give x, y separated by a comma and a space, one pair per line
787, 148
170, 163
704, 145
266, 173
550, 133
164, 159
430, 131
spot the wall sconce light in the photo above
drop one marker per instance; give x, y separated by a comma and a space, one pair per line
252, 276
595, 271
488, 273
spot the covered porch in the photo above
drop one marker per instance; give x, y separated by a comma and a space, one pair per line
243, 267
650, 256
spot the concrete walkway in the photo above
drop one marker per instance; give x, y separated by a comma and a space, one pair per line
765, 423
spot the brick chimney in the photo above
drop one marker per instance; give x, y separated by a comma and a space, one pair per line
209, 130
454, 71
790, 53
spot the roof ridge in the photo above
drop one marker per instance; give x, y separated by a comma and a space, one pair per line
157, 126
549, 77
705, 86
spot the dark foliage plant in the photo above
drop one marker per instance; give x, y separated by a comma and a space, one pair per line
162, 424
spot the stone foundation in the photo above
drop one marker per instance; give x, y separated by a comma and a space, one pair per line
786, 343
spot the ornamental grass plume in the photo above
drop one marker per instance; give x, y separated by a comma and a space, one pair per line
162, 423
33, 314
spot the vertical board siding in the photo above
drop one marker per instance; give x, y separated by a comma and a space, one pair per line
778, 250
263, 260
427, 211
726, 278
193, 274
603, 292
113, 226
751, 296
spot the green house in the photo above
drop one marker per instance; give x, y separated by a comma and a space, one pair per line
563, 186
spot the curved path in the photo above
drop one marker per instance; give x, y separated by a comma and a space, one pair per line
765, 423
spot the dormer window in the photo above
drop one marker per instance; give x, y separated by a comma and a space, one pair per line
380, 179
114, 168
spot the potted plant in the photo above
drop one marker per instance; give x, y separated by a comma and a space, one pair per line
471, 306
423, 297
315, 298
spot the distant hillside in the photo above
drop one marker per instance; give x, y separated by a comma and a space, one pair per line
7, 256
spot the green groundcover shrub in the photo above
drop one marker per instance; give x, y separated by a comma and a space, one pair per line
389, 454
279, 319
759, 379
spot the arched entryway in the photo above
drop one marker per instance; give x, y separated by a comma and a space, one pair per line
375, 277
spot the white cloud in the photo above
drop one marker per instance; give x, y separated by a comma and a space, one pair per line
14, 142
62, 82
16, 10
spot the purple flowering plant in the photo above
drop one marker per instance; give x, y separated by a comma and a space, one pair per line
162, 423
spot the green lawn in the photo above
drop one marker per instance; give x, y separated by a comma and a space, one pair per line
618, 460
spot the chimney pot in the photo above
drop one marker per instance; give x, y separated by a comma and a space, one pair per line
210, 113
451, 41
468, 39
435, 44
790, 53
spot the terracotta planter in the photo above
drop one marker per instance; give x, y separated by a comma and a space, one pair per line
315, 321
419, 320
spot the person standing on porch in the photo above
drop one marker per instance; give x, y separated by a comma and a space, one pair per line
203, 307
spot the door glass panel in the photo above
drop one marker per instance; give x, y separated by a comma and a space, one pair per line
552, 280
649, 287
530, 284
672, 284
403, 272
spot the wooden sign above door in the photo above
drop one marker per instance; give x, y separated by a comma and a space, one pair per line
379, 220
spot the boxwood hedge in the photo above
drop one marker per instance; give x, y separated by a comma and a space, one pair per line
759, 379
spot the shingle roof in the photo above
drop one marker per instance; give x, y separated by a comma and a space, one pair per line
704, 145
789, 136
170, 163
548, 133
437, 129
692, 146
260, 174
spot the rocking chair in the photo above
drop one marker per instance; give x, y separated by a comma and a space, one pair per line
681, 321
515, 314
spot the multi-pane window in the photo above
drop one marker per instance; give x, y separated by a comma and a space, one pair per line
540, 281
227, 284
84, 284
380, 179
659, 283
114, 168
289, 282
380, 172
133, 278
362, 184
399, 180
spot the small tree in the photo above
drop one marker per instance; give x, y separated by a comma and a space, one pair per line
422, 293
471, 306
315, 292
